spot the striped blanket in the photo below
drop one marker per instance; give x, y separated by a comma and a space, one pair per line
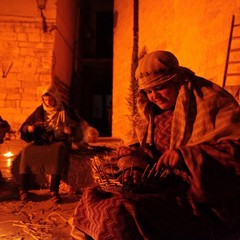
117, 216
206, 130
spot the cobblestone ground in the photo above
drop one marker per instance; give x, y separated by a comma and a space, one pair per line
39, 219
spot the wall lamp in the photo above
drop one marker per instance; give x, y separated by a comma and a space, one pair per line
42, 6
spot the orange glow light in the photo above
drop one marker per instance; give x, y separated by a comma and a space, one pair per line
8, 154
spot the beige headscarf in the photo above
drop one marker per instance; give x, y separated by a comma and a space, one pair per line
55, 116
158, 68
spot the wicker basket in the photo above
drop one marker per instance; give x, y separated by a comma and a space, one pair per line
109, 177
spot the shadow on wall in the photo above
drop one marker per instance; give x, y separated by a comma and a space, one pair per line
234, 90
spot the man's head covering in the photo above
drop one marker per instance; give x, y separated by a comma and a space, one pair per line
156, 68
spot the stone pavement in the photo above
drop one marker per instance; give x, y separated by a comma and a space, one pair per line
40, 218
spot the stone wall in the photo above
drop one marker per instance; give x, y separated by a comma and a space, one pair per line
31, 58
197, 32
26, 61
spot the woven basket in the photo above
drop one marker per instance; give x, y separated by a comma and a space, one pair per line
109, 177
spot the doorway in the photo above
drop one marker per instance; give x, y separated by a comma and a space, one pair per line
92, 83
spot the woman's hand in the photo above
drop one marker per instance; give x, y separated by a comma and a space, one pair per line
38, 124
124, 151
132, 176
31, 128
67, 130
92, 135
169, 159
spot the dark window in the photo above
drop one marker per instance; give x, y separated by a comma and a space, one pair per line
104, 34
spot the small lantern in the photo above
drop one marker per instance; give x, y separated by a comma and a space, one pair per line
42, 6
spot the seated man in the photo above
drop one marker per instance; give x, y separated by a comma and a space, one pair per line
50, 129
181, 170
4, 128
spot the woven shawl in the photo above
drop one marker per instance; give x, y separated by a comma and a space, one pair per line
204, 112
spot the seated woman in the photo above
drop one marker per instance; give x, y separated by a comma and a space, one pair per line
50, 129
180, 172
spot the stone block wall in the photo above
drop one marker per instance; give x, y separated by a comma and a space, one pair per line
197, 32
31, 58
26, 62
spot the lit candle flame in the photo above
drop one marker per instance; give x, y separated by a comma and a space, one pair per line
8, 154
